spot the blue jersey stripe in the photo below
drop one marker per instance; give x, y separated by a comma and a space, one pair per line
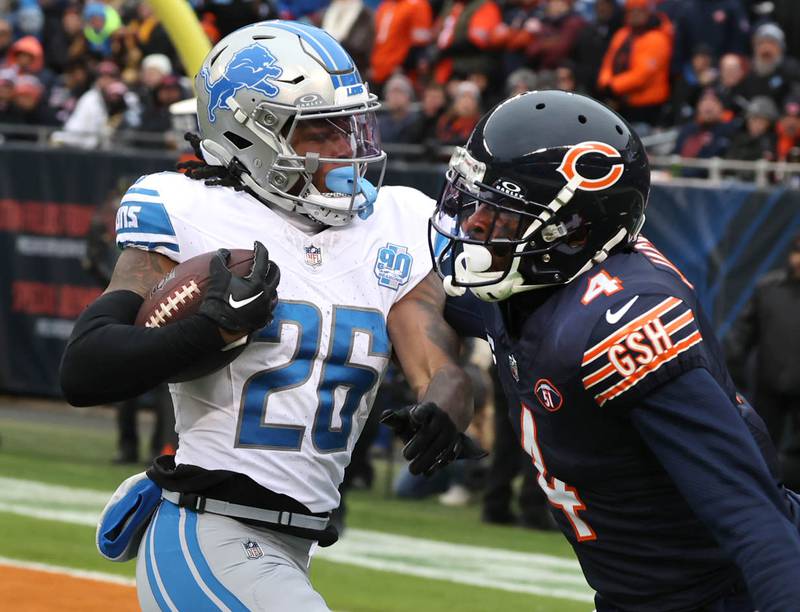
178, 580
140, 217
142, 191
206, 574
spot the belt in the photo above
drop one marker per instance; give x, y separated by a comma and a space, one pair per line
201, 504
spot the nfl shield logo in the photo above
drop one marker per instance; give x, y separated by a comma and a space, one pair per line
252, 550
512, 365
313, 256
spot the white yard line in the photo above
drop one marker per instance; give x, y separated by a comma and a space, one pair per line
494, 568
68, 571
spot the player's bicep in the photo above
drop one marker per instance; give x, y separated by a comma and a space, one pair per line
139, 271
423, 342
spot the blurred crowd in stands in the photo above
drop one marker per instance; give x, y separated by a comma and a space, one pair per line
724, 73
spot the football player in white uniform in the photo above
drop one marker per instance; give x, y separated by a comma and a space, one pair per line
288, 134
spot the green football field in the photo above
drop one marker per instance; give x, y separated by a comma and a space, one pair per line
396, 555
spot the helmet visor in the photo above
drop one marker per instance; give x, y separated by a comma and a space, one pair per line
345, 137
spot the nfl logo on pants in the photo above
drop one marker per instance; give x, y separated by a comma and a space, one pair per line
252, 550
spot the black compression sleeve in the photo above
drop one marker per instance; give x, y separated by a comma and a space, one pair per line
108, 359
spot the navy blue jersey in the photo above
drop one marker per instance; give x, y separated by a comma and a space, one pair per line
618, 391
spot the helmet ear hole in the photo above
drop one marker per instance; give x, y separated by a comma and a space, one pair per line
238, 141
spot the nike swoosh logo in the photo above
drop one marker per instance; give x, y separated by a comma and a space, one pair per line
614, 317
245, 302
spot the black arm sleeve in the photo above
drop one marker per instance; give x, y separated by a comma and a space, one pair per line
108, 359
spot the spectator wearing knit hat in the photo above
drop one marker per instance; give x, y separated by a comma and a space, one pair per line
772, 72
27, 108
634, 76
755, 139
398, 123
155, 117
26, 56
100, 21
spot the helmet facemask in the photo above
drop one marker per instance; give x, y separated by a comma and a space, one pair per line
292, 180
523, 244
352, 146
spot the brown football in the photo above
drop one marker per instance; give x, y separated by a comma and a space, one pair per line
178, 295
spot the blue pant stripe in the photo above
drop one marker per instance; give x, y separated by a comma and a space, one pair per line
151, 576
206, 574
178, 581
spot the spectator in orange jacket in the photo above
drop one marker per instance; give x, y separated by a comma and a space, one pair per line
634, 76
464, 38
788, 130
402, 27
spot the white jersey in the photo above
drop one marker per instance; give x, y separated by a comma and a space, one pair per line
289, 409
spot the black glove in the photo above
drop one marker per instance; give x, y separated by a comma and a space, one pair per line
432, 440
242, 304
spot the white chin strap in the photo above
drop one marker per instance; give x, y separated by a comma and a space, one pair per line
473, 263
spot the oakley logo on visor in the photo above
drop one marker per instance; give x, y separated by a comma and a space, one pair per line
569, 165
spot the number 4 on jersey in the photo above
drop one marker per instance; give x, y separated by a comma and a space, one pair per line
559, 493
601, 283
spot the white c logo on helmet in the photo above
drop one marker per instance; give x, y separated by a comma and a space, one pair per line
569, 165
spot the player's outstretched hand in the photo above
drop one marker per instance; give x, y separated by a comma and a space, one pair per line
432, 440
242, 304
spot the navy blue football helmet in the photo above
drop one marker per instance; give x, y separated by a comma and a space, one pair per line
548, 184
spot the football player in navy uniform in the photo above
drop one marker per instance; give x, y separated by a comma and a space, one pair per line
658, 473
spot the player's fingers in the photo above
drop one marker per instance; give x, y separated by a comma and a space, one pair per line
273, 275
394, 418
421, 414
418, 443
428, 456
219, 263
261, 263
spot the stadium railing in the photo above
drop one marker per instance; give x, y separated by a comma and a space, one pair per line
667, 168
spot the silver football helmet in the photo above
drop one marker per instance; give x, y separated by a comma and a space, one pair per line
279, 100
